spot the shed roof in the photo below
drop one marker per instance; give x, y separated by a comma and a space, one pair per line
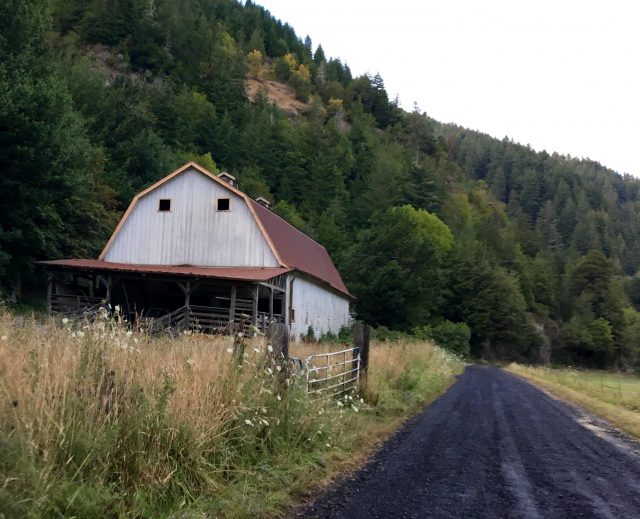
231, 273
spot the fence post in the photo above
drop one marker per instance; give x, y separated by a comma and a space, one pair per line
361, 341
278, 337
111, 386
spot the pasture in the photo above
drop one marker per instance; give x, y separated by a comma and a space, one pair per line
614, 396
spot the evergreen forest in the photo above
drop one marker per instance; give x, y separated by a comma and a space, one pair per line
498, 250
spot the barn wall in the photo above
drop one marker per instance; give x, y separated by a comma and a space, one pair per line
193, 233
316, 306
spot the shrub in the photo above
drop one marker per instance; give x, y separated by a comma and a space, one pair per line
453, 337
310, 336
382, 333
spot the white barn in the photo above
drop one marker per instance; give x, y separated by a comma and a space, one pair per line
194, 243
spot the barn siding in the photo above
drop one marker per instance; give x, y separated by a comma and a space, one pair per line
316, 306
193, 233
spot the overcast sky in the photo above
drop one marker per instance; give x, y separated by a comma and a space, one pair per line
559, 75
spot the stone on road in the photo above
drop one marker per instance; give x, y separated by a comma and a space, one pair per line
494, 446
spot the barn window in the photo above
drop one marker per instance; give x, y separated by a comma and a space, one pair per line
223, 204
164, 204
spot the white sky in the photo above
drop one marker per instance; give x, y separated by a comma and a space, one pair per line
559, 75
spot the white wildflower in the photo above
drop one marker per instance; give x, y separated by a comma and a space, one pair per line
240, 335
270, 348
80, 334
257, 350
248, 422
190, 362
135, 340
4, 337
116, 308
328, 445
278, 397
340, 404
264, 422
270, 371
354, 408
65, 320
129, 333
229, 350
278, 367
73, 334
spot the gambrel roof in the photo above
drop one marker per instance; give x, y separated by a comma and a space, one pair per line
293, 249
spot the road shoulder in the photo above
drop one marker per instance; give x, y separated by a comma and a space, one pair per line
615, 417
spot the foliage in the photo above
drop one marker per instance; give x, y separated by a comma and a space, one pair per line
395, 267
453, 337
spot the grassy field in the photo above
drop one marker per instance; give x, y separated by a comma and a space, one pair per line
97, 421
614, 396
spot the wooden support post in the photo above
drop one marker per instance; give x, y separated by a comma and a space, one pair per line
254, 306
108, 298
49, 291
187, 303
186, 290
271, 304
232, 309
361, 341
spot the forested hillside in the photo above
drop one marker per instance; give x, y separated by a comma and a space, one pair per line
435, 228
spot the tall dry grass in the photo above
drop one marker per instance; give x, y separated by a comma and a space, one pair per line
97, 421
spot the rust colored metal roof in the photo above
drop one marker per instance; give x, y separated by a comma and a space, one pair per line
231, 273
297, 250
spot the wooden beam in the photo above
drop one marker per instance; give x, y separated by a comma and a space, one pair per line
50, 279
108, 284
271, 303
187, 293
232, 308
273, 287
254, 306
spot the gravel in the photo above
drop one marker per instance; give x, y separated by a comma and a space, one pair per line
494, 446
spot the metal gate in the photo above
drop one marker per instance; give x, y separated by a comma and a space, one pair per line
331, 374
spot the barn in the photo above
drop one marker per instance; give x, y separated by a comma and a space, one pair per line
193, 250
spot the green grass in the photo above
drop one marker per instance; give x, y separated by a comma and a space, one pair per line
613, 396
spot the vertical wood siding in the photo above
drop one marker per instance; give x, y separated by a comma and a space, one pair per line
193, 232
318, 307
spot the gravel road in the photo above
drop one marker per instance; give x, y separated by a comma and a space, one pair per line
494, 446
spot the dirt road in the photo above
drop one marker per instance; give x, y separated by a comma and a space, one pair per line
494, 446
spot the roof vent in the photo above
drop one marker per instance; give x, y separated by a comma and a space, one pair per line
264, 202
229, 179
